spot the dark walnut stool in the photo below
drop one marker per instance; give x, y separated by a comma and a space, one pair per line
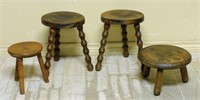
164, 57
123, 18
24, 50
64, 19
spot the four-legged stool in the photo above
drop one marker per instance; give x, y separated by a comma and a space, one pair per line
164, 57
64, 19
123, 18
24, 50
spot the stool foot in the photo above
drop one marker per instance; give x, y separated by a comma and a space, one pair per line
146, 72
44, 71
21, 75
158, 83
184, 74
98, 66
90, 67
125, 40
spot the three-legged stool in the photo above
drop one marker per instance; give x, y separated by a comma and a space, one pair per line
64, 19
164, 57
123, 18
24, 50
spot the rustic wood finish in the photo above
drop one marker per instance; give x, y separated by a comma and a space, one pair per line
64, 19
164, 57
123, 18
23, 50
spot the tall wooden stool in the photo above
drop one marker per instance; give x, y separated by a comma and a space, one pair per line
123, 18
24, 50
64, 19
164, 57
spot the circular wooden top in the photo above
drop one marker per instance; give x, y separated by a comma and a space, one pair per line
164, 56
122, 17
25, 49
63, 19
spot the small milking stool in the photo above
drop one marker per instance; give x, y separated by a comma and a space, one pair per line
24, 50
64, 19
164, 57
120, 17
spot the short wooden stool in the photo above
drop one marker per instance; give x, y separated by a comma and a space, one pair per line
164, 57
24, 50
120, 17
64, 19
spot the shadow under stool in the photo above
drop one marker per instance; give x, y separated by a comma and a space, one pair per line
64, 19
164, 57
24, 50
120, 17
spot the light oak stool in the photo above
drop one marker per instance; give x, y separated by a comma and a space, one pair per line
164, 57
24, 50
64, 19
120, 17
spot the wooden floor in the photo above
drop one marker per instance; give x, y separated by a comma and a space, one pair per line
120, 79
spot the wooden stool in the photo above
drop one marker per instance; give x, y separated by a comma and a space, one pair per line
64, 19
164, 57
24, 50
123, 18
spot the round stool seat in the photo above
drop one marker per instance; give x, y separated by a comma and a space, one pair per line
25, 49
62, 19
122, 17
164, 56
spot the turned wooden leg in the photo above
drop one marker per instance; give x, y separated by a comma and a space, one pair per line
57, 43
146, 72
138, 36
125, 40
85, 49
21, 75
102, 48
184, 74
44, 71
158, 83
16, 72
49, 49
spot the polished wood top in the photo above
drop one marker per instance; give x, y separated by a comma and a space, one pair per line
62, 19
122, 17
25, 49
164, 56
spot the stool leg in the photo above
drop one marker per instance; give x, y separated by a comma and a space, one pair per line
21, 75
158, 83
57, 43
49, 49
102, 48
44, 71
184, 74
85, 49
124, 40
138, 36
16, 72
146, 72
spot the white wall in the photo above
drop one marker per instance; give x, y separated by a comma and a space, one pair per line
166, 21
